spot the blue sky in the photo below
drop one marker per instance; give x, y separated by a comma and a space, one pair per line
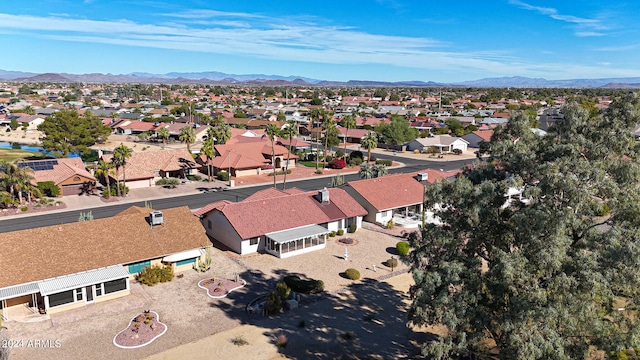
385, 40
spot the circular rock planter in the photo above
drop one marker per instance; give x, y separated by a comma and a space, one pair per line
142, 330
347, 241
219, 288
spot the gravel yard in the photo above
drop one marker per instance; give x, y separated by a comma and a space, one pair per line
188, 312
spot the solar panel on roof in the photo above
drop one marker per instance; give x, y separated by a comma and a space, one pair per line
39, 165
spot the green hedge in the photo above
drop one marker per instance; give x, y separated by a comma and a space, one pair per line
48, 188
384, 162
304, 286
223, 176
402, 248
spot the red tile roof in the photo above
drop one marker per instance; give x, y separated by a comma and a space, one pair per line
396, 190
66, 168
273, 210
144, 165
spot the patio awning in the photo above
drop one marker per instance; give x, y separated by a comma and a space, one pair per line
303, 232
74, 281
184, 255
18, 290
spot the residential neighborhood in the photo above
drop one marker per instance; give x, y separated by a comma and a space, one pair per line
255, 184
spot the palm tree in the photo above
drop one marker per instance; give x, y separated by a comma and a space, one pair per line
25, 184
289, 131
9, 178
210, 152
369, 142
348, 123
163, 133
104, 170
273, 131
366, 171
222, 133
120, 156
329, 126
187, 135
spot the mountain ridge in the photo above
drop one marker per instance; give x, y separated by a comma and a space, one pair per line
220, 78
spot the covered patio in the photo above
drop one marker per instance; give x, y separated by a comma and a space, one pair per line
296, 241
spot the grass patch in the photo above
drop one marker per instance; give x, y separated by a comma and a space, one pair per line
10, 155
311, 164
239, 341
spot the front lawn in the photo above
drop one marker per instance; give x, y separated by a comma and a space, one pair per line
10, 155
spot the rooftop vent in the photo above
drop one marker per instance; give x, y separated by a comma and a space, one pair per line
156, 218
422, 177
323, 195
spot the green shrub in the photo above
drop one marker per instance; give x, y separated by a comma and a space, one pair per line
275, 300
384, 162
353, 228
279, 172
356, 155
393, 262
355, 162
24, 208
372, 158
170, 182
319, 172
114, 190
340, 232
332, 233
390, 224
402, 248
152, 275
352, 274
339, 153
48, 188
194, 177
223, 176
298, 285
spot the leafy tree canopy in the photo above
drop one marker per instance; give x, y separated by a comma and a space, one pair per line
540, 278
397, 132
64, 132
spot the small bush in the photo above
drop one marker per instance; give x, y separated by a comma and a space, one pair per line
352, 274
416, 151
24, 208
384, 162
48, 188
457, 151
392, 263
194, 177
373, 158
152, 275
352, 228
280, 172
355, 162
356, 155
339, 153
282, 341
390, 224
239, 341
340, 232
402, 248
275, 300
319, 172
332, 233
337, 164
223, 176
114, 190
170, 183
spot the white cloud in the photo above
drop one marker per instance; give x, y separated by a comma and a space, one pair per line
584, 26
286, 40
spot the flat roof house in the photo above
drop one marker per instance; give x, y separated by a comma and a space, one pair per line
62, 267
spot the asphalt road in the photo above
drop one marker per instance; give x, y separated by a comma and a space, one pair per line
195, 201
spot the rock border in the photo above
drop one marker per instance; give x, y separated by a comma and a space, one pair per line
244, 283
148, 342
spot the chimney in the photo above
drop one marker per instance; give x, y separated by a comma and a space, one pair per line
156, 218
422, 177
323, 195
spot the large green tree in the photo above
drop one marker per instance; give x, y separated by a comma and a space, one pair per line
397, 132
65, 132
539, 277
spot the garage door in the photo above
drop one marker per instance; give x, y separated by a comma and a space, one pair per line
71, 190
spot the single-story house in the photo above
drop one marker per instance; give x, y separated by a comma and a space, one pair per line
57, 268
445, 143
68, 174
283, 223
251, 157
400, 195
144, 168
353, 136
474, 138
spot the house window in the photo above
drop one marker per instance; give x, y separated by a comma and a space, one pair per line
78, 294
115, 285
62, 298
77, 178
185, 262
137, 267
98, 290
254, 241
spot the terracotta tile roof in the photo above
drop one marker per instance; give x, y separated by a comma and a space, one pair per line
144, 165
484, 135
66, 168
396, 190
247, 155
46, 252
273, 210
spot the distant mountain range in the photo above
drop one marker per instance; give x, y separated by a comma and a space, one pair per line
219, 78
